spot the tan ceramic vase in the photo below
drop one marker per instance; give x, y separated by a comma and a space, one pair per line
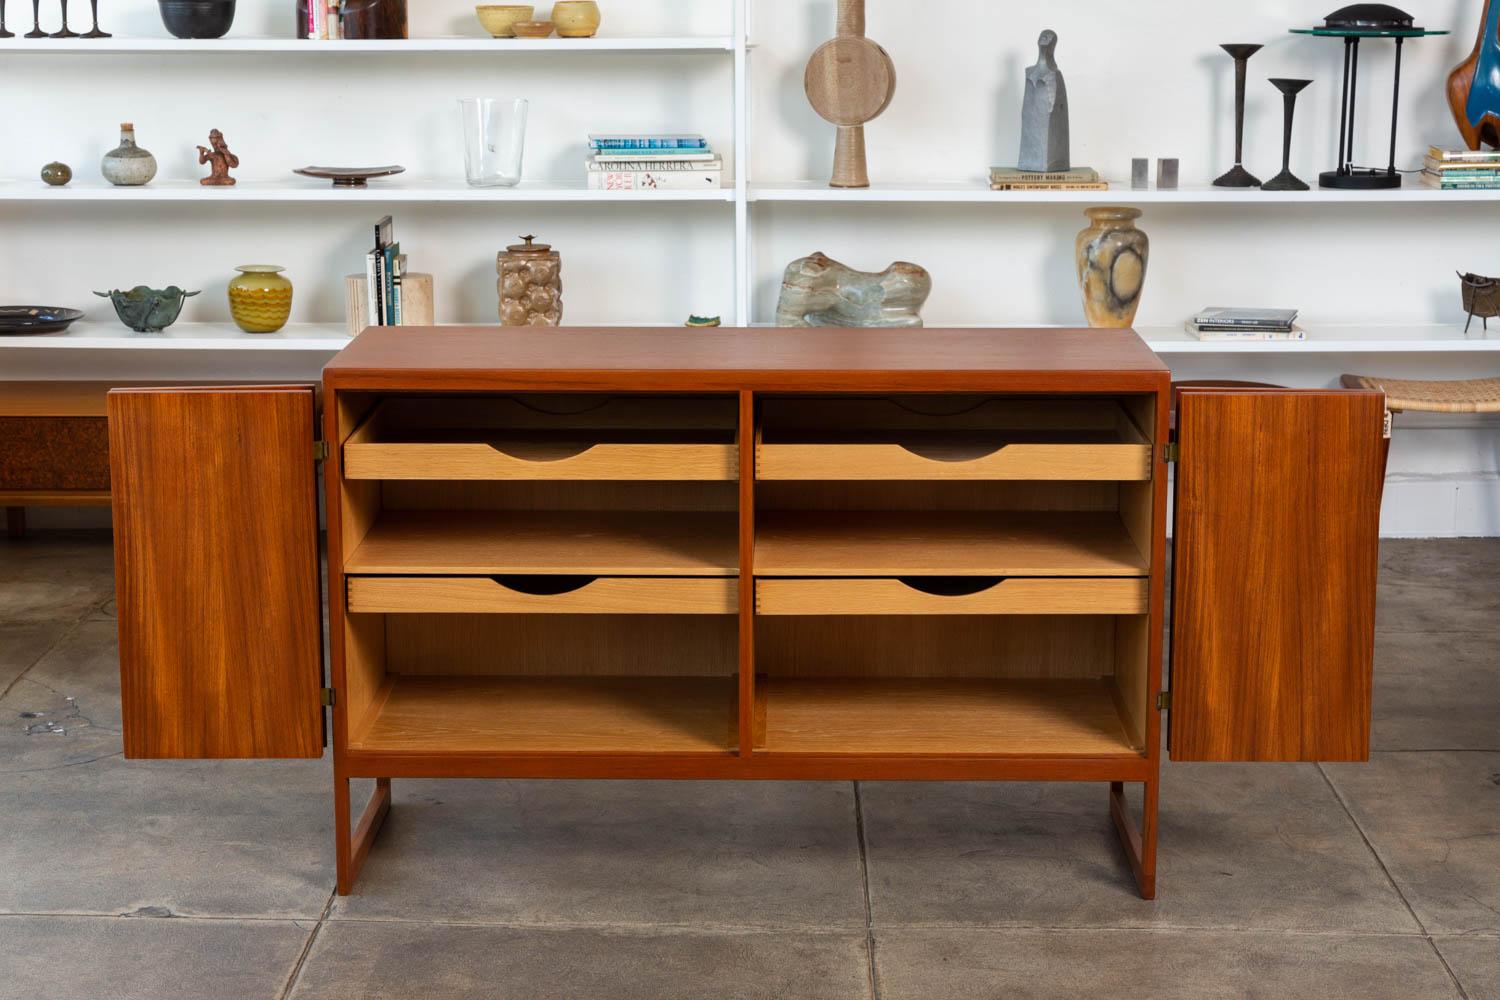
260, 299
1112, 256
575, 18
530, 284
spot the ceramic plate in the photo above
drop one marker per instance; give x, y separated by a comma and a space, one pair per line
36, 319
349, 176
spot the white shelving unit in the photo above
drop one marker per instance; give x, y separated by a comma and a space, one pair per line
411, 46
1119, 194
398, 189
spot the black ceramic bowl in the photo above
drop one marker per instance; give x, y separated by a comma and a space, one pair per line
197, 18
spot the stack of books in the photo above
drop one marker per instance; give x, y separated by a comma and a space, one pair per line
1461, 169
1221, 323
644, 162
384, 268
1016, 179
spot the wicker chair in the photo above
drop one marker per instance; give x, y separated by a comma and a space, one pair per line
1477, 395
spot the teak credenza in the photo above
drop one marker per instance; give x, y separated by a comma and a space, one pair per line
805, 554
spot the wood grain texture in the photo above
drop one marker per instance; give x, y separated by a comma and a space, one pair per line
538, 494
631, 715
216, 572
52, 454
937, 495
54, 498
919, 543
597, 543
927, 716
1015, 596
483, 595
1275, 552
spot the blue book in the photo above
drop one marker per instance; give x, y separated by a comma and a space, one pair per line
648, 142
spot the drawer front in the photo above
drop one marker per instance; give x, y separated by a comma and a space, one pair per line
54, 453
550, 460
543, 595
1113, 462
953, 596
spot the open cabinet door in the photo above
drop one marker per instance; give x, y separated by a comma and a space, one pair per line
216, 571
1275, 554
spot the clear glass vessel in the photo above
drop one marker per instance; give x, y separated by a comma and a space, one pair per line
494, 140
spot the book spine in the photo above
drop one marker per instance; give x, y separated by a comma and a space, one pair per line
335, 22
398, 271
626, 166
653, 180
388, 287
1050, 186
372, 305
649, 143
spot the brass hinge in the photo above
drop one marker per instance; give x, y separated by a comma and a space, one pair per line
320, 451
330, 697
1163, 701
1171, 452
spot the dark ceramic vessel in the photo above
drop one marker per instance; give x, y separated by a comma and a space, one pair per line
148, 310
197, 18
36, 319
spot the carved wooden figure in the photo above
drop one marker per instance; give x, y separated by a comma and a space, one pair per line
219, 160
1474, 85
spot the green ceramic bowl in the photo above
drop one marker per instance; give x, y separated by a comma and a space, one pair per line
148, 310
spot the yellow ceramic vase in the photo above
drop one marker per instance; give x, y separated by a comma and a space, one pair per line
260, 299
576, 18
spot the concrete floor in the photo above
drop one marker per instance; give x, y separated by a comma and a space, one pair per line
122, 879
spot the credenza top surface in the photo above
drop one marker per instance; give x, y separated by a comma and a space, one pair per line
767, 359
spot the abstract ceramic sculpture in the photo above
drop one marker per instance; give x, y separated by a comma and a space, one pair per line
1474, 84
1286, 180
819, 291
849, 81
499, 19
57, 174
219, 159
128, 165
530, 284
1112, 255
1238, 176
64, 31
260, 298
148, 310
1044, 112
197, 18
575, 18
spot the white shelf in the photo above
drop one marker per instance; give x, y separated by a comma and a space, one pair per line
327, 338
1118, 194
220, 46
299, 189
1336, 340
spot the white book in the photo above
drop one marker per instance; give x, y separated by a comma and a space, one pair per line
651, 165
655, 180
1296, 333
653, 155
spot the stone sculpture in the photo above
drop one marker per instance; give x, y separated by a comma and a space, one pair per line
819, 291
1044, 112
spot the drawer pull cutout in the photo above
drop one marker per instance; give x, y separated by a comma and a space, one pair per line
951, 451
952, 586
540, 451
544, 586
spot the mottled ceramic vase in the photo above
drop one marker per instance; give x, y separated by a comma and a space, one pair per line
260, 299
575, 18
530, 284
128, 165
1112, 255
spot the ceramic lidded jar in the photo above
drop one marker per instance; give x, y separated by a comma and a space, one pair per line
1112, 255
57, 174
530, 284
260, 298
575, 18
128, 165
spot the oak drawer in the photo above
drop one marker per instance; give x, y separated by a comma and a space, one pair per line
563, 595
498, 438
952, 596
994, 439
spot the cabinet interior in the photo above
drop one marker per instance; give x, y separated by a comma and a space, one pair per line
932, 574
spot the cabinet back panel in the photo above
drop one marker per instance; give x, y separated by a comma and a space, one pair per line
563, 645
990, 646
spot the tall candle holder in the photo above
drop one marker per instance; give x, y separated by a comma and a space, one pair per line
1286, 180
4, 32
64, 31
36, 21
1238, 176
94, 32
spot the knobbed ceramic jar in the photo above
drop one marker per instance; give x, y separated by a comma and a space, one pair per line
530, 284
128, 165
575, 18
1112, 256
260, 298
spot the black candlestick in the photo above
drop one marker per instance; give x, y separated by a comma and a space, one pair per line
1238, 176
1286, 180
94, 32
36, 21
64, 31
4, 33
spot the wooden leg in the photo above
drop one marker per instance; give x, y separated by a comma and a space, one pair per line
350, 850
15, 522
1139, 842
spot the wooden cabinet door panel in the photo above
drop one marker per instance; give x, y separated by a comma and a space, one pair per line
216, 572
1275, 554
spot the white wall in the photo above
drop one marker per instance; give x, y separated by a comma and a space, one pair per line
1144, 79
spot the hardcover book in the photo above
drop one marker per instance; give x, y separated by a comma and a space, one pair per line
1238, 316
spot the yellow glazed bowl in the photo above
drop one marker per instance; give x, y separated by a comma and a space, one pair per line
576, 18
260, 299
499, 19
533, 29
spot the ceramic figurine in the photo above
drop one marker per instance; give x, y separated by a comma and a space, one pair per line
1112, 256
148, 310
1474, 85
36, 21
94, 32
260, 299
819, 291
1044, 112
849, 81
57, 174
1286, 180
530, 284
219, 160
575, 18
128, 165
1237, 176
